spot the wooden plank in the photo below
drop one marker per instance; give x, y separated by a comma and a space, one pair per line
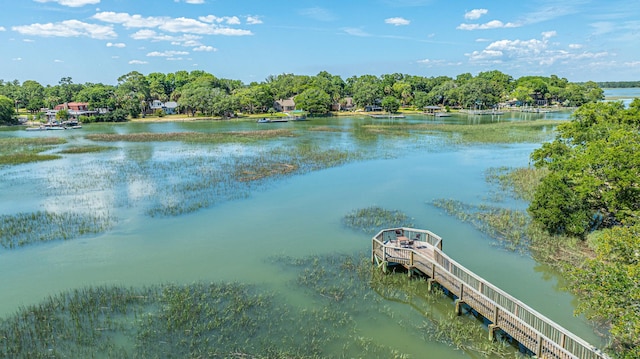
530, 328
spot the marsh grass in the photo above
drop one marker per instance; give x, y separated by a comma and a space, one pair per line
14, 151
194, 137
86, 149
372, 219
500, 132
507, 226
22, 229
521, 183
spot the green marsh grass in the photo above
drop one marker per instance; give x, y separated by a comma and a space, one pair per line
372, 219
86, 149
228, 320
500, 132
14, 151
507, 226
194, 137
521, 183
23, 229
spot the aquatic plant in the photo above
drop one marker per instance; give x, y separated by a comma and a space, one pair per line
86, 149
194, 137
500, 132
21, 229
14, 151
507, 226
372, 219
521, 182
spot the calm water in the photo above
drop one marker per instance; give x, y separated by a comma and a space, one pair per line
626, 95
298, 216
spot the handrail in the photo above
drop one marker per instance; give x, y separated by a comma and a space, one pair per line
544, 327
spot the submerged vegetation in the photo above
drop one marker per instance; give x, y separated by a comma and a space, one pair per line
193, 137
86, 149
28, 228
236, 320
500, 132
15, 151
370, 220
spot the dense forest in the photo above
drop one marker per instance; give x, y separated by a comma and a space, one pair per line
201, 93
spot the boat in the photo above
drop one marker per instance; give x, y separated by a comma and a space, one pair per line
263, 120
442, 114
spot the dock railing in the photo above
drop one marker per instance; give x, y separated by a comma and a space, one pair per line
541, 335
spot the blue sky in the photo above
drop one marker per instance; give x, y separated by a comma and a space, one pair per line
100, 40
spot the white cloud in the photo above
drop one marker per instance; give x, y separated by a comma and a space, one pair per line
58, 61
2, 28
72, 3
117, 44
205, 48
231, 20
253, 20
169, 53
397, 21
28, 40
174, 59
575, 46
129, 21
493, 24
356, 32
17, 59
186, 40
533, 51
137, 62
632, 64
67, 28
180, 24
475, 14
195, 2
480, 39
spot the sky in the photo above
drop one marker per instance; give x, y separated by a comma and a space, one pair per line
97, 41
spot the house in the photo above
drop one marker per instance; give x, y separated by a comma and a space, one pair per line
169, 107
284, 105
372, 108
346, 104
72, 106
74, 109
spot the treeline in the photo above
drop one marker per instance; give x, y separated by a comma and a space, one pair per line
199, 92
619, 84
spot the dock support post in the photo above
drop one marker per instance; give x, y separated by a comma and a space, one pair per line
459, 304
492, 331
430, 284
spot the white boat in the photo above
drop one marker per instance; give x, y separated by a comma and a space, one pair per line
263, 120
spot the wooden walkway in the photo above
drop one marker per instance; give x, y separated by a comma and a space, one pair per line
421, 250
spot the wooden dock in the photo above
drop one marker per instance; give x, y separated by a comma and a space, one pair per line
420, 251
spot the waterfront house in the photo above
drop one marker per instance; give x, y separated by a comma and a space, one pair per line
284, 105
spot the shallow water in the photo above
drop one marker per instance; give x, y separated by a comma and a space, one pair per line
300, 216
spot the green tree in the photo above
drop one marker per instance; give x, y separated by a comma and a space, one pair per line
133, 92
594, 166
97, 96
62, 115
314, 100
390, 104
7, 111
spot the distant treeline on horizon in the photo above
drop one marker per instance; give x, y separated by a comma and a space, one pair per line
618, 84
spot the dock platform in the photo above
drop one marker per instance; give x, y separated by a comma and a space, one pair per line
420, 252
